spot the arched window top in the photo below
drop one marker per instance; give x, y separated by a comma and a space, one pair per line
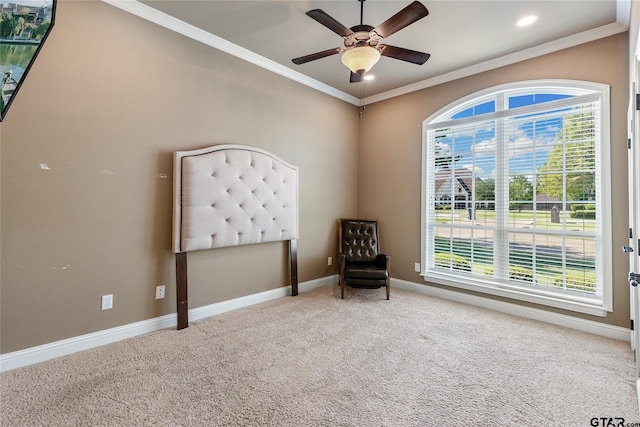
514, 95
516, 194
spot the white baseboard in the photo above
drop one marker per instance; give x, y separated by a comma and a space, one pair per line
597, 328
41, 353
55, 349
234, 304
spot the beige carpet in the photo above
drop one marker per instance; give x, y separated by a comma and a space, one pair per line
316, 360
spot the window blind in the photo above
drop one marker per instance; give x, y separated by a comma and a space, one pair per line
513, 197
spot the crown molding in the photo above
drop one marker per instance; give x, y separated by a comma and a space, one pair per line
543, 49
160, 18
623, 14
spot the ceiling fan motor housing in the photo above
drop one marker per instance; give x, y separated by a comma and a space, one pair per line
362, 35
361, 42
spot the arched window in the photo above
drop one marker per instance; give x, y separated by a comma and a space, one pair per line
532, 162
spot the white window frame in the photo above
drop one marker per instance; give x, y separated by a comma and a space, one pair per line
485, 285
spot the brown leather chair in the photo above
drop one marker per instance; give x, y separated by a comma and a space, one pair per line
361, 263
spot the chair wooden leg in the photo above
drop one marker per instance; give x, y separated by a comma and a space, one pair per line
388, 289
342, 289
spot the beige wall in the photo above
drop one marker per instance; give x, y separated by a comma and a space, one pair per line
390, 151
108, 100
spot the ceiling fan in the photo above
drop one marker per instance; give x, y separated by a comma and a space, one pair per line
361, 42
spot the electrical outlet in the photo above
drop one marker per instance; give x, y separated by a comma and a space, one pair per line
107, 302
416, 267
160, 292
329, 261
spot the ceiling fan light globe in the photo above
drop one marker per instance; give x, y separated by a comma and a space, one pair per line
360, 59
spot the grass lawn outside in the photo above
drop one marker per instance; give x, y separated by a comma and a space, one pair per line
567, 262
540, 220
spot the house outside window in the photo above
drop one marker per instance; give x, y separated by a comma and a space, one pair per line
516, 199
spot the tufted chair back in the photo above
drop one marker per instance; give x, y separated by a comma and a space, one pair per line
359, 240
361, 263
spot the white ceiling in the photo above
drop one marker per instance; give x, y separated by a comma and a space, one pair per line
462, 36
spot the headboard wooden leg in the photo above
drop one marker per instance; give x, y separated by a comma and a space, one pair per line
181, 290
293, 258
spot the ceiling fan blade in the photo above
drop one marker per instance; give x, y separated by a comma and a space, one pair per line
406, 16
326, 20
355, 78
403, 54
317, 55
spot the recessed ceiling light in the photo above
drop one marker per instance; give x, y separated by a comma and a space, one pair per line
527, 20
369, 77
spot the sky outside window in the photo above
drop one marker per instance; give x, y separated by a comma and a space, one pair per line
530, 138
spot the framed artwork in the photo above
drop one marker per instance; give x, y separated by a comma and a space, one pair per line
24, 27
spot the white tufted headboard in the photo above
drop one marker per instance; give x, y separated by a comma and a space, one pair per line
229, 195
